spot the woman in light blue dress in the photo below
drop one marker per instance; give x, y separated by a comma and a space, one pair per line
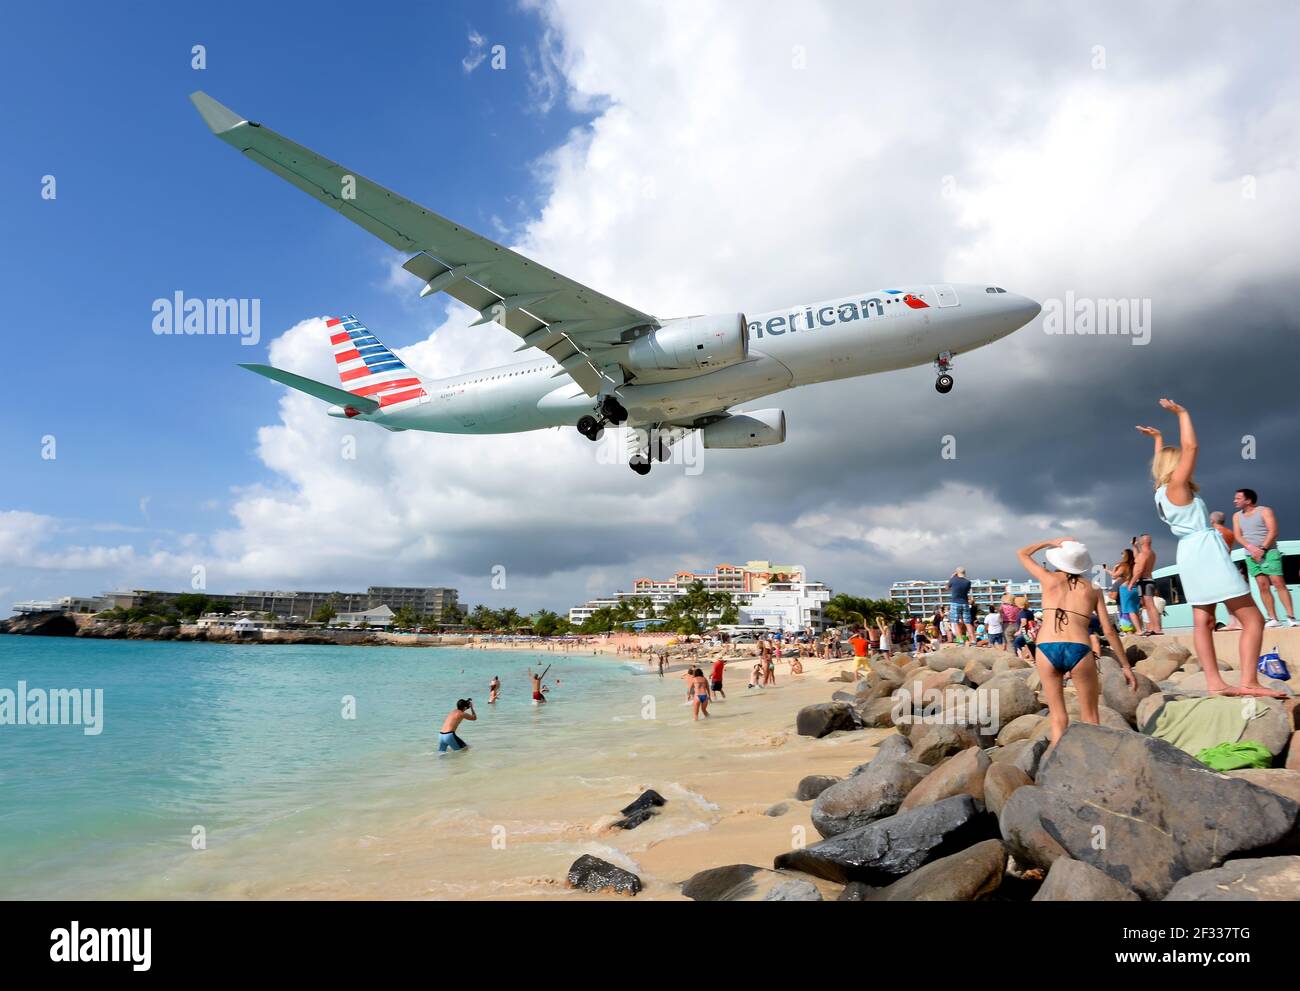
1207, 572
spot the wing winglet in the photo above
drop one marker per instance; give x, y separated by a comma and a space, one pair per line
219, 118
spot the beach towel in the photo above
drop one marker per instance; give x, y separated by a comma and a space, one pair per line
1233, 756
1193, 725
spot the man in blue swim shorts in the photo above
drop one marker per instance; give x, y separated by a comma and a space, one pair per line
447, 739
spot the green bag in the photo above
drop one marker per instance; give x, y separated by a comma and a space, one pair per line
1234, 756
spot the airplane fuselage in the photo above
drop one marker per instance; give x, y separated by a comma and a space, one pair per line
841, 338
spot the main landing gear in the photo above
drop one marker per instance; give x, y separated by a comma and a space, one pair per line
943, 364
610, 410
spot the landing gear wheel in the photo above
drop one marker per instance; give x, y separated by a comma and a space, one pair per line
640, 464
590, 427
944, 384
613, 410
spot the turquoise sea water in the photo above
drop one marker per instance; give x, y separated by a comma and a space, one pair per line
249, 742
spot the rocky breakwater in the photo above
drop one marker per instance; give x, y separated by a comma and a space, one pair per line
966, 801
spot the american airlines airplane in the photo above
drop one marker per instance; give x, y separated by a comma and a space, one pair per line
598, 361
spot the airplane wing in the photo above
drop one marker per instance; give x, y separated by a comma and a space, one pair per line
578, 327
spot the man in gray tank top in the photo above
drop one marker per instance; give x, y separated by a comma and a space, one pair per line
1255, 527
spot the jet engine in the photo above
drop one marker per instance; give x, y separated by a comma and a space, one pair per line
690, 344
757, 428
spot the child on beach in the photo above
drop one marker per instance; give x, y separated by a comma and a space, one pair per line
1066, 649
1207, 572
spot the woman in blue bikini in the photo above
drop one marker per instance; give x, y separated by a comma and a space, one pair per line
1207, 572
1064, 648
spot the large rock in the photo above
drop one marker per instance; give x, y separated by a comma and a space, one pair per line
813, 785
746, 883
1276, 779
1005, 698
1000, 783
1074, 881
959, 775
1117, 694
967, 876
880, 852
947, 658
1264, 879
593, 874
825, 718
1010, 662
874, 794
1022, 728
935, 742
1141, 810
1023, 830
876, 713
887, 670
1149, 709
977, 673
1293, 753
1024, 754
1160, 665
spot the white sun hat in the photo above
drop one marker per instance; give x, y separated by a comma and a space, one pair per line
1071, 557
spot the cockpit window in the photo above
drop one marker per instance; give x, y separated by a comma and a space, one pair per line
990, 289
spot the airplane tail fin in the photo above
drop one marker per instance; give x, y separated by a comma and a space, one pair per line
368, 368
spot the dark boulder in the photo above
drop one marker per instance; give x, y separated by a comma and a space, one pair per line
645, 800
824, 718
813, 785
593, 874
882, 851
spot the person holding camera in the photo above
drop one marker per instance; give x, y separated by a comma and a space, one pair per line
448, 740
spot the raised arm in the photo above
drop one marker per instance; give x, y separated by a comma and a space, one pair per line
1178, 488
1156, 436
1026, 555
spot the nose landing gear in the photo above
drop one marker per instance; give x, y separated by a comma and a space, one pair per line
943, 365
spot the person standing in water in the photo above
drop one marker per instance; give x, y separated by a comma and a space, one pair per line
1065, 648
700, 687
536, 679
447, 739
1207, 572
494, 688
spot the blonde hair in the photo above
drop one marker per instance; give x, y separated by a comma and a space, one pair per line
1021, 601
1163, 465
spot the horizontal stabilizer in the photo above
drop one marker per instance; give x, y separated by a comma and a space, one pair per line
320, 390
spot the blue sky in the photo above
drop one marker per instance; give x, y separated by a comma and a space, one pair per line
718, 162
149, 203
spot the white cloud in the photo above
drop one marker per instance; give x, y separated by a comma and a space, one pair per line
476, 54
